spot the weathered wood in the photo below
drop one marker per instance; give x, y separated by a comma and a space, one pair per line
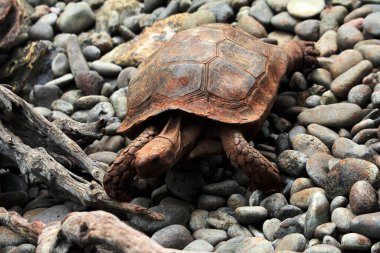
97, 228
36, 146
21, 226
80, 130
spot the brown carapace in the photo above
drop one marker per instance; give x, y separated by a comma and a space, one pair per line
206, 91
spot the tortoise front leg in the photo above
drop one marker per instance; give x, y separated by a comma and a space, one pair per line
118, 179
262, 173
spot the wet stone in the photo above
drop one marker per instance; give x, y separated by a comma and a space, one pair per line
308, 29
348, 36
302, 198
342, 217
102, 110
185, 184
91, 53
363, 198
199, 245
270, 227
236, 200
325, 229
317, 213
317, 168
360, 95
174, 214
60, 65
212, 236
309, 144
290, 226
300, 184
322, 248
252, 26
292, 162
210, 202
261, 12
251, 214
288, 211
357, 242
224, 189
62, 106
371, 24
173, 236
284, 21
333, 115
238, 230
367, 225
273, 203
344, 174
76, 18
54, 213
292, 242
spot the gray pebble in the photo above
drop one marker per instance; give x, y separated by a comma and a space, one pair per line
43, 111
213, 236
371, 24
273, 203
46, 94
54, 213
327, 43
317, 168
366, 224
292, 242
292, 162
106, 68
80, 116
308, 29
357, 242
251, 214
288, 211
284, 21
261, 12
325, 229
199, 245
210, 202
62, 106
224, 189
348, 36
173, 236
238, 230
103, 156
236, 200
299, 184
91, 53
326, 135
119, 102
102, 110
10, 238
363, 198
60, 65
309, 144
270, 227
303, 198
342, 218
221, 219
198, 220
88, 102
41, 31
317, 213
76, 18
322, 248
360, 95
338, 201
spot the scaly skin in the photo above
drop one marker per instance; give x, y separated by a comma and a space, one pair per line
262, 173
118, 179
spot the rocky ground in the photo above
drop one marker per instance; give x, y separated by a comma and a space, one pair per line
75, 60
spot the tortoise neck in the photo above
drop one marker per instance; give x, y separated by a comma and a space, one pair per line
295, 55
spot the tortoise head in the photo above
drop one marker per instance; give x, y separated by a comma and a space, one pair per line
155, 157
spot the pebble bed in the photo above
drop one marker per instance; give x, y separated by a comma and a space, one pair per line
323, 131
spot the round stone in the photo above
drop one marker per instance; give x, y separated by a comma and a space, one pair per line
348, 36
308, 30
60, 65
305, 8
356, 242
251, 214
261, 12
41, 31
309, 144
252, 26
366, 224
292, 162
199, 245
342, 218
210, 202
91, 53
371, 24
360, 95
302, 198
292, 242
363, 198
212, 236
76, 18
173, 236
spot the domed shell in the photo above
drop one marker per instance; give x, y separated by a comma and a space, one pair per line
214, 71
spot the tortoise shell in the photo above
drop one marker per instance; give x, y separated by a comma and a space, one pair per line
214, 71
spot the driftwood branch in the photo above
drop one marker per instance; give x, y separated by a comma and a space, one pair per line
79, 230
26, 138
21, 226
35, 131
80, 130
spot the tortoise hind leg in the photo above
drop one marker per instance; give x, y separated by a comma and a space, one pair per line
119, 177
262, 173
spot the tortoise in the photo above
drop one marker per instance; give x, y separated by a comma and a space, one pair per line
205, 91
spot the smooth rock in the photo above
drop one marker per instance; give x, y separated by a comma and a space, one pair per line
198, 18
223, 189
322, 248
292, 242
252, 26
212, 236
348, 36
10, 238
344, 61
326, 135
360, 95
344, 174
91, 53
357, 242
199, 245
198, 220
210, 202
251, 214
41, 31
60, 65
302, 198
325, 229
363, 198
292, 162
284, 21
173, 236
54, 213
309, 144
62, 106
333, 115
102, 110
367, 225
327, 43
106, 68
343, 83
317, 168
309, 30
317, 213
270, 227
76, 18
305, 8
371, 24
273, 203
342, 217
261, 12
